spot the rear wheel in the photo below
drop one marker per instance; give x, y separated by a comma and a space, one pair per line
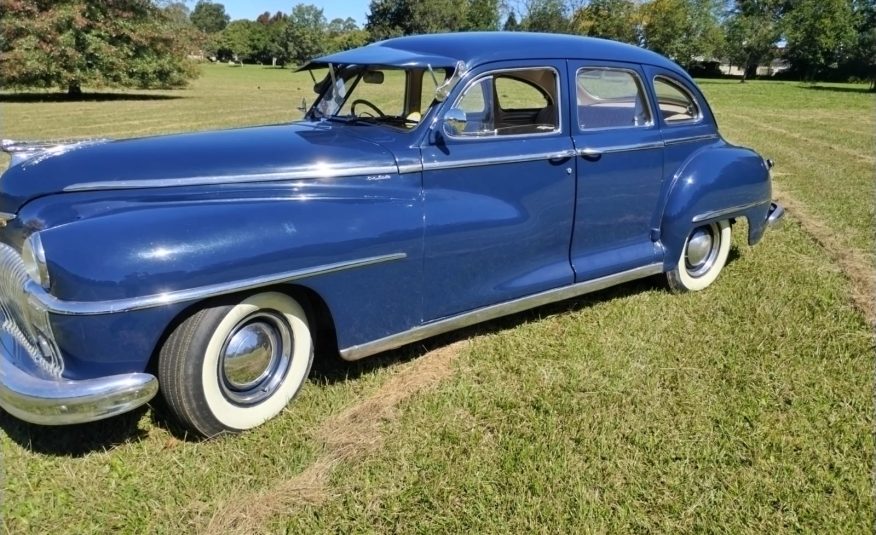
231, 367
702, 258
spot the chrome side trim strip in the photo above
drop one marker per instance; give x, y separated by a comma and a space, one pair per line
626, 148
297, 174
690, 139
410, 168
494, 311
733, 210
496, 160
90, 308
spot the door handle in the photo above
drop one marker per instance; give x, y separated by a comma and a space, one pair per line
590, 154
561, 156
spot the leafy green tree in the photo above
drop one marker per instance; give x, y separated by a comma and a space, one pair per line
861, 60
610, 19
682, 29
482, 15
240, 40
177, 12
305, 33
752, 31
74, 43
663, 24
344, 34
511, 24
209, 17
392, 18
819, 33
546, 16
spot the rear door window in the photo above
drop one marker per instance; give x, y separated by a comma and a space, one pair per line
611, 98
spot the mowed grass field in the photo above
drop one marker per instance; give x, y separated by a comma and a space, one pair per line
747, 407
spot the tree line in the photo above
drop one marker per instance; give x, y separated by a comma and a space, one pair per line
149, 43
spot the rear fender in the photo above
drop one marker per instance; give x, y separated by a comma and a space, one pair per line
715, 183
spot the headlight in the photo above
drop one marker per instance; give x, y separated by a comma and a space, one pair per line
34, 257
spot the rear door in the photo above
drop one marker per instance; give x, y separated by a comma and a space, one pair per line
619, 169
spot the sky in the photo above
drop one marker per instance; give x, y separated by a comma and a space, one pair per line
250, 9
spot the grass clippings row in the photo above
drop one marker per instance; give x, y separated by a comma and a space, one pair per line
345, 437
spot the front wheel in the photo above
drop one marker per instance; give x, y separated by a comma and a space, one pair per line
702, 258
231, 367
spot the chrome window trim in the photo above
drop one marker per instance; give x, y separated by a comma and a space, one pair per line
315, 171
54, 305
724, 212
495, 311
682, 88
492, 136
651, 123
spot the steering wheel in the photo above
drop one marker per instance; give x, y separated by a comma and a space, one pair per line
367, 103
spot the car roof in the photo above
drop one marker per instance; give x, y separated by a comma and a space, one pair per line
475, 48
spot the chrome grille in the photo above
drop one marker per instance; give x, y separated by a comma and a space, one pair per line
16, 320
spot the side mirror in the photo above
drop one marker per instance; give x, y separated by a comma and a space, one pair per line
454, 122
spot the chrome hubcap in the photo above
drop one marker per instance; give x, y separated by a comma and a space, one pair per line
255, 358
702, 249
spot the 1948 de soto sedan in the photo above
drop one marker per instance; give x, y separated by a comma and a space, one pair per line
436, 181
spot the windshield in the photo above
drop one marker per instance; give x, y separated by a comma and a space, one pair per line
362, 94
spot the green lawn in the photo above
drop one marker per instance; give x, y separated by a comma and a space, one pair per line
745, 407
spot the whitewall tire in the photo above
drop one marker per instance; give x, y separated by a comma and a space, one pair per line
233, 366
702, 258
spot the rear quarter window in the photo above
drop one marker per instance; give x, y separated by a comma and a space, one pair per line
675, 103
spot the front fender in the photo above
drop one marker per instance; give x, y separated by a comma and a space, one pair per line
107, 247
716, 183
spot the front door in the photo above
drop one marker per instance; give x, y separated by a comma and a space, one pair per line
499, 192
619, 169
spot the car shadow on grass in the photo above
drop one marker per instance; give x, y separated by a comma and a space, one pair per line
29, 98
75, 440
863, 89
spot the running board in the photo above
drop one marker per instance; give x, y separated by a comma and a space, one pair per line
480, 315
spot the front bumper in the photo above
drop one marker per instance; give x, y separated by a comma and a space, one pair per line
59, 401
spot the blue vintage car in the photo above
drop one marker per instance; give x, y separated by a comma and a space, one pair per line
435, 182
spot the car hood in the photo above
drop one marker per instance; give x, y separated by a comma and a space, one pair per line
266, 153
